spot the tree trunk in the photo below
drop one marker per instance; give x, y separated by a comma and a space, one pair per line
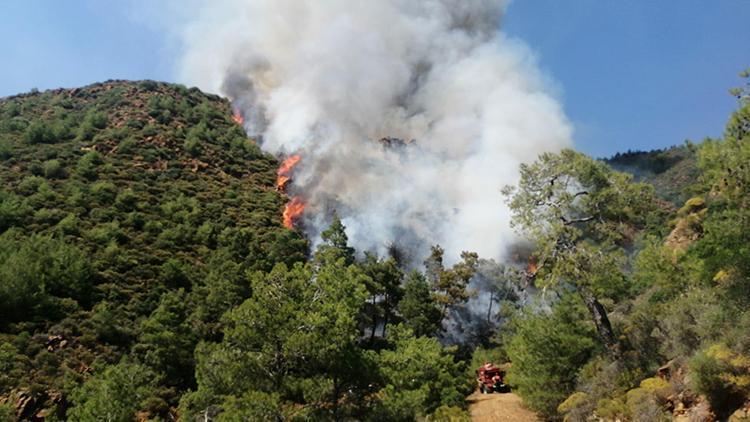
386, 310
374, 319
603, 326
489, 309
335, 393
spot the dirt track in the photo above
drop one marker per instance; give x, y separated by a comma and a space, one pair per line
498, 407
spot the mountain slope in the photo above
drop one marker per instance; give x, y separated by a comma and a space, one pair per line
673, 171
123, 191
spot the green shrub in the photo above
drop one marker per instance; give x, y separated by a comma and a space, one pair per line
7, 413
12, 368
696, 318
723, 376
547, 352
6, 149
88, 165
104, 192
106, 233
12, 210
53, 169
69, 225
39, 132
29, 185
148, 85
115, 393
93, 122
449, 414
48, 215
135, 124
16, 125
252, 406
62, 130
127, 146
193, 146
420, 377
35, 168
195, 138
573, 402
135, 220
86, 131
126, 200
12, 109
647, 402
150, 130
612, 409
97, 119
33, 268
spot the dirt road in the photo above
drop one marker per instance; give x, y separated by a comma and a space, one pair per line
498, 408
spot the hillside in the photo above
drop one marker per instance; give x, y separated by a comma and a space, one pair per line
672, 171
148, 272
112, 195
650, 321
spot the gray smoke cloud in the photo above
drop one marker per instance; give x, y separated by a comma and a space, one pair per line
328, 79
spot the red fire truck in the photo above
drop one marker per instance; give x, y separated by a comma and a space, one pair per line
491, 379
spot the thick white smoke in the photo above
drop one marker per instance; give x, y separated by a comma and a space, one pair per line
329, 78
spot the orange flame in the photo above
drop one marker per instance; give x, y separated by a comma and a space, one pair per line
281, 182
288, 164
238, 118
532, 268
293, 210
284, 171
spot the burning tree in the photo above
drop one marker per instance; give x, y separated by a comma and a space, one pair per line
296, 206
581, 215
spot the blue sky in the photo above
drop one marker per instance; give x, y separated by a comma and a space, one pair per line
639, 74
635, 74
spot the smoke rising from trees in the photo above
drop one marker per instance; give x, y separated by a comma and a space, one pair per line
329, 79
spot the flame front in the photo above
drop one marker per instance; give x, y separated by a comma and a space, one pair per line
532, 268
293, 210
238, 118
283, 174
288, 164
296, 206
281, 182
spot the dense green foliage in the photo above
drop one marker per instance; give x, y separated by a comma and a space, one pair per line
545, 348
671, 300
671, 171
145, 273
116, 241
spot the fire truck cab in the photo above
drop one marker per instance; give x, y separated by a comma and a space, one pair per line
491, 379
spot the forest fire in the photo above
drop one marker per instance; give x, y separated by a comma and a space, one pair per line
288, 164
532, 268
237, 118
281, 182
285, 170
296, 206
293, 210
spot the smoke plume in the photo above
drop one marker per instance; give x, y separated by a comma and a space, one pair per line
459, 103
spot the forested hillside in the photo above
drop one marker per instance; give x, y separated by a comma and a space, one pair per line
672, 171
145, 274
646, 316
128, 212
